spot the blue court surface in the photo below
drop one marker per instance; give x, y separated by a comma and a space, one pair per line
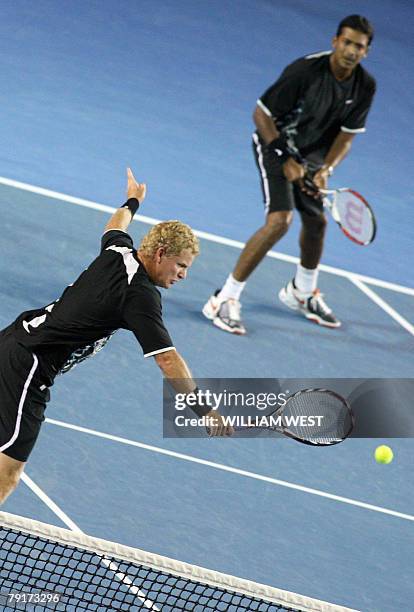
169, 89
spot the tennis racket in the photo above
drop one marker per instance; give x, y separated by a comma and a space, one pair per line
350, 210
335, 426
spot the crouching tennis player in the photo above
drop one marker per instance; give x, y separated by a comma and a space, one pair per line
118, 290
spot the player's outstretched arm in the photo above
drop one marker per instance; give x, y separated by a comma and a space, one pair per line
135, 196
178, 373
176, 370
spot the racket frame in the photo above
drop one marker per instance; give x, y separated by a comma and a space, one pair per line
331, 206
282, 430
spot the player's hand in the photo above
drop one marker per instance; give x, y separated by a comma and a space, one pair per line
311, 186
217, 426
135, 189
292, 170
320, 179
306, 185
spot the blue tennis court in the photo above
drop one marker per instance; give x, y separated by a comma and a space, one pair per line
170, 91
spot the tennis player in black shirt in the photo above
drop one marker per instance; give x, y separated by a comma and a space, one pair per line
312, 112
118, 290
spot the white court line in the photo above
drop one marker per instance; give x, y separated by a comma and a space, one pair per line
205, 235
357, 279
383, 304
50, 503
73, 527
232, 470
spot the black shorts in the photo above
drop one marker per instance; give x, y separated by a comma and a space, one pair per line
278, 193
23, 399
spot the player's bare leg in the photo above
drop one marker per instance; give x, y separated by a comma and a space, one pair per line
223, 308
276, 226
301, 293
311, 240
10, 472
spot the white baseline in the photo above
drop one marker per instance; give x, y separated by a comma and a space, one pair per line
205, 235
233, 470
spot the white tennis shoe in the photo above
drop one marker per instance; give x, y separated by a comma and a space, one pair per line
225, 314
312, 305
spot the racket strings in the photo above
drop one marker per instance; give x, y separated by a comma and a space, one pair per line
354, 216
332, 420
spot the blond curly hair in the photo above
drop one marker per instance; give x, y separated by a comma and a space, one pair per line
174, 236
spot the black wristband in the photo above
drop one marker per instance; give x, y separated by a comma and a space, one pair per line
278, 149
132, 204
201, 409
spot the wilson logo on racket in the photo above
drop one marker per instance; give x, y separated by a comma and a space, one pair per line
352, 213
354, 216
348, 208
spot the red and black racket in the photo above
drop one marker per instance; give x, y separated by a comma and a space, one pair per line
350, 210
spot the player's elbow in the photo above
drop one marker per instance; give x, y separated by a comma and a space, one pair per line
257, 115
346, 139
261, 118
165, 361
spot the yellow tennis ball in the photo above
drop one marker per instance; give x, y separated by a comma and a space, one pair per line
383, 454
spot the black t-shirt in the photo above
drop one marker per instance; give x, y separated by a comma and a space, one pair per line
114, 292
308, 103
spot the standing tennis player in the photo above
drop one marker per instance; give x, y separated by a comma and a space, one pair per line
312, 112
118, 290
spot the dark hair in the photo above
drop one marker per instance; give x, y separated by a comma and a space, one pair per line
358, 23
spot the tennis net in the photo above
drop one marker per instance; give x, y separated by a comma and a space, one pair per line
43, 567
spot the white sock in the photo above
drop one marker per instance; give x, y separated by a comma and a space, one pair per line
232, 289
306, 280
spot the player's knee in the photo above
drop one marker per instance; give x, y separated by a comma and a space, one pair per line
315, 227
7, 486
277, 224
9, 479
